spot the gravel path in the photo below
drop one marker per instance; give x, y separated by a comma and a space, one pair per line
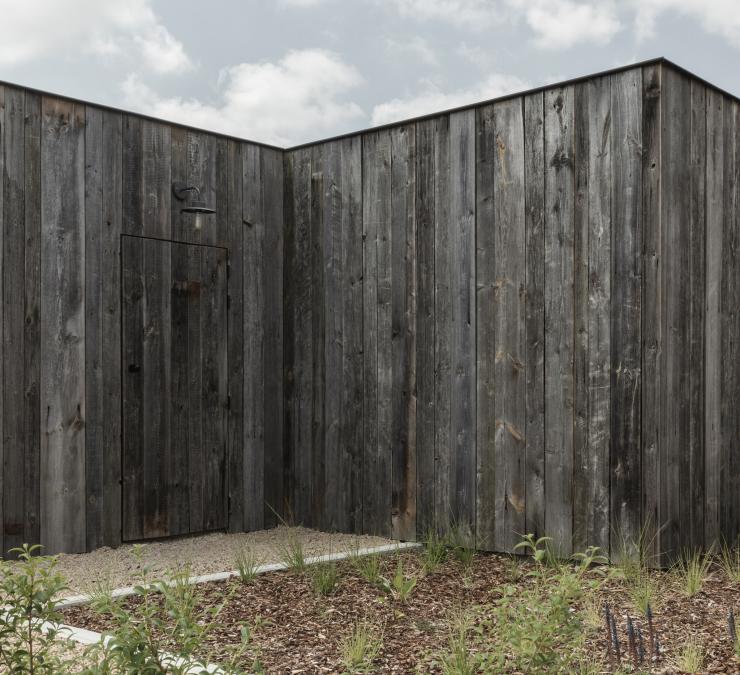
204, 554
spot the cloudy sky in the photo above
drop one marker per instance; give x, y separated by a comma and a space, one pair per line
290, 71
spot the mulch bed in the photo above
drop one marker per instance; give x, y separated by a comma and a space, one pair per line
295, 631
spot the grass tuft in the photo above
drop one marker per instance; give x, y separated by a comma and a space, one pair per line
324, 578
435, 551
367, 566
361, 647
729, 561
691, 657
247, 565
692, 569
291, 552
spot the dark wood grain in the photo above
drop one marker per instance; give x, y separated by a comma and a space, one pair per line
425, 322
534, 201
403, 333
62, 327
559, 315
626, 310
13, 271
712, 337
652, 289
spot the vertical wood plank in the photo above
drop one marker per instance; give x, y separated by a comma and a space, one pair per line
676, 129
236, 377
443, 269
403, 333
213, 382
93, 326
652, 302
425, 320
299, 313
692, 472
626, 310
712, 336
272, 267
730, 327
534, 199
376, 501
462, 289
330, 232
31, 335
510, 340
253, 339
62, 327
559, 316
581, 454
487, 291
13, 272
352, 442
318, 276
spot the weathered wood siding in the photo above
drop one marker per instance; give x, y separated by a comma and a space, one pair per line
522, 316
545, 325
75, 179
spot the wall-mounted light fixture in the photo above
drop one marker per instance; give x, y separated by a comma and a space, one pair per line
195, 204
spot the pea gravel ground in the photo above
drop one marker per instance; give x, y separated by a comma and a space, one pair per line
203, 554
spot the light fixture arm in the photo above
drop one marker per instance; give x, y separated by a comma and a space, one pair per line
180, 190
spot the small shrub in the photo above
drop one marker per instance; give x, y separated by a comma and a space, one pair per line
692, 570
535, 629
435, 551
368, 567
324, 578
27, 591
729, 561
247, 565
691, 657
292, 553
399, 586
166, 632
361, 647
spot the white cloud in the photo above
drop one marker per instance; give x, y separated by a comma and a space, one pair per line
718, 17
303, 4
477, 14
296, 99
561, 24
415, 46
433, 100
101, 27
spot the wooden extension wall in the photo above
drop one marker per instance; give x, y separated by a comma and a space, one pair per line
521, 317
75, 178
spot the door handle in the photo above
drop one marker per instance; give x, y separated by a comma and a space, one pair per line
134, 367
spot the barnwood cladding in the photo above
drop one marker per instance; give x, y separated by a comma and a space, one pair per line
521, 316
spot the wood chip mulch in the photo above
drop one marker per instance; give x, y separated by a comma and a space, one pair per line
296, 631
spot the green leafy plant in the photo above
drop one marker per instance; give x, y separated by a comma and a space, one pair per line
163, 631
29, 641
435, 551
291, 552
729, 561
368, 567
692, 569
691, 657
399, 585
324, 577
361, 647
539, 548
536, 629
247, 565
